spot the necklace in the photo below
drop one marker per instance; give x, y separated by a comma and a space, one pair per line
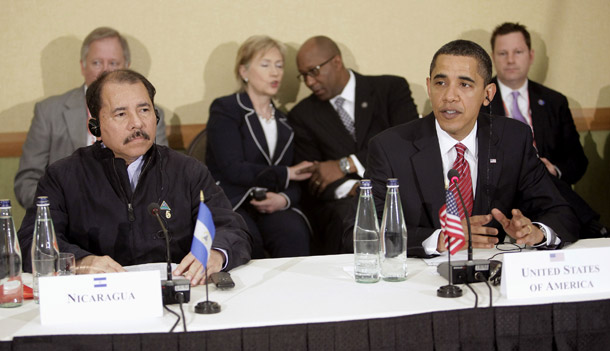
271, 117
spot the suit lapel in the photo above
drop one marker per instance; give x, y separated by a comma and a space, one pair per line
489, 164
284, 137
253, 125
538, 113
363, 109
427, 163
75, 117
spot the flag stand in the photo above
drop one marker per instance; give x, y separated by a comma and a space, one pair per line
449, 290
207, 306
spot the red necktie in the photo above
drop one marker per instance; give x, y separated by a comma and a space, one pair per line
465, 182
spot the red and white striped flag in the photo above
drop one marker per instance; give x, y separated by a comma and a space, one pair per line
451, 224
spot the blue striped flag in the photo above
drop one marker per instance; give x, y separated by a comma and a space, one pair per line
451, 224
203, 235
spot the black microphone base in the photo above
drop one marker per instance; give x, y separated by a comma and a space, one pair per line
207, 307
449, 291
464, 271
175, 291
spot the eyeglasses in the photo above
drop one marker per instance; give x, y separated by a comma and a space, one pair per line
314, 72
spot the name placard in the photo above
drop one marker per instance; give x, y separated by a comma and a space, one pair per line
556, 273
100, 297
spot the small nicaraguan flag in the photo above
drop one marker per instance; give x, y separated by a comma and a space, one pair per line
451, 224
203, 235
99, 282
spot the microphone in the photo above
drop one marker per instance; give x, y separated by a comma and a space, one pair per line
460, 272
173, 291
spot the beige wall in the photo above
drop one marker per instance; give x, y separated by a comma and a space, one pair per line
187, 48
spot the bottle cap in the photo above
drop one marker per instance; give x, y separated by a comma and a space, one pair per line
365, 183
393, 182
4, 203
42, 201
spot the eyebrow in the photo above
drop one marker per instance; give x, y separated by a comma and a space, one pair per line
440, 75
466, 78
121, 108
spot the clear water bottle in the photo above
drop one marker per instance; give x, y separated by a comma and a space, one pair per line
394, 236
11, 287
45, 253
366, 237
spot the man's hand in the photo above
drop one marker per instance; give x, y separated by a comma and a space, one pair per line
354, 190
549, 166
273, 202
192, 269
519, 227
300, 171
323, 174
97, 264
482, 237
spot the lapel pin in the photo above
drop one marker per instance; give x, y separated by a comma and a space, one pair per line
492, 160
541, 102
364, 105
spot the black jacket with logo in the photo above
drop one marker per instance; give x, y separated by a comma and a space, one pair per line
94, 210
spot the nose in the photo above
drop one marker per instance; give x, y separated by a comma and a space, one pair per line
309, 80
510, 57
451, 94
135, 121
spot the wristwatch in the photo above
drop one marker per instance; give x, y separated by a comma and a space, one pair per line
344, 165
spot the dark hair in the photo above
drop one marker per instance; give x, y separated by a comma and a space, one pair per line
469, 49
507, 28
94, 92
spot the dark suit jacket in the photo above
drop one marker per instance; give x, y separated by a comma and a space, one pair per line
509, 176
554, 131
381, 102
58, 129
238, 155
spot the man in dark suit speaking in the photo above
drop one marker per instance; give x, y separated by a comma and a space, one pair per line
506, 187
548, 115
333, 127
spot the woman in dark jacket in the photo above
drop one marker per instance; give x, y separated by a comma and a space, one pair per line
250, 146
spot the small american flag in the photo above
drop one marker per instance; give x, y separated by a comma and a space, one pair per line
451, 225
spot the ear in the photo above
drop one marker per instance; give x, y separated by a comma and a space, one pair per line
428, 86
531, 56
242, 72
82, 68
490, 91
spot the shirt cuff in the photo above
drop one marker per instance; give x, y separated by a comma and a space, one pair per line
226, 255
359, 166
552, 240
344, 189
287, 202
558, 172
431, 243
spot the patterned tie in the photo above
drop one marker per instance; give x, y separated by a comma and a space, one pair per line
465, 182
348, 122
516, 112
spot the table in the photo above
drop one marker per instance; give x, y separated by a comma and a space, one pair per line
313, 303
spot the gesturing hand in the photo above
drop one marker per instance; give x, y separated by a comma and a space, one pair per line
519, 227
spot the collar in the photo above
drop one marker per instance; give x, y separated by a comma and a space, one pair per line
506, 91
349, 91
447, 143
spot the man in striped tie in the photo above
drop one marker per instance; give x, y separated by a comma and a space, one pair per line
506, 188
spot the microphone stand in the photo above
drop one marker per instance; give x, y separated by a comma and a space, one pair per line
467, 215
449, 290
207, 306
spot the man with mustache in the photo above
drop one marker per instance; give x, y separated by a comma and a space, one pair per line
59, 126
100, 194
507, 189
